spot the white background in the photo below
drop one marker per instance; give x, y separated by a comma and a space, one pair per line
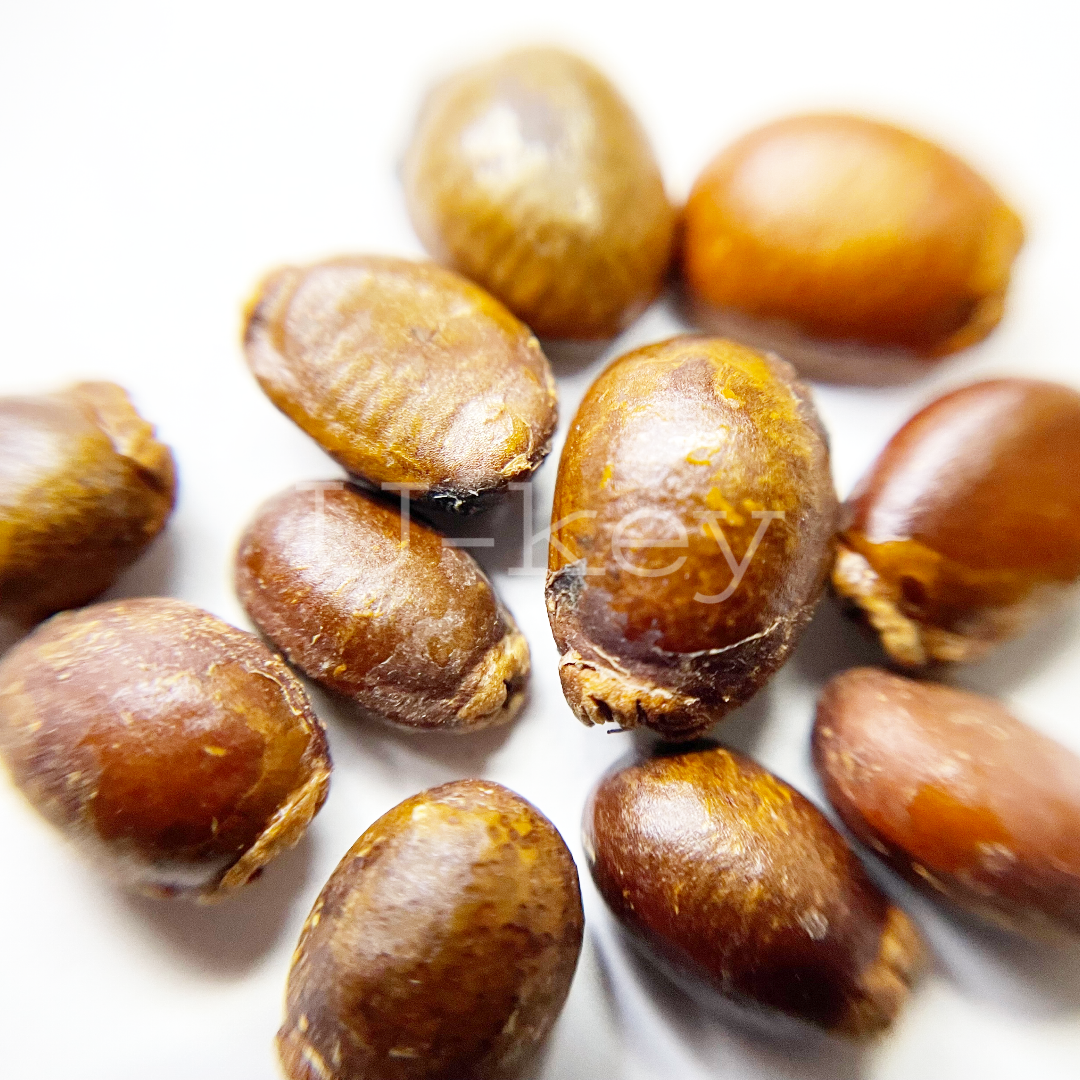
158, 158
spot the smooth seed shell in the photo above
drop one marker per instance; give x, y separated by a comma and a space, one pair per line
849, 246
441, 948
957, 794
176, 751
966, 529
729, 876
84, 488
381, 611
531, 176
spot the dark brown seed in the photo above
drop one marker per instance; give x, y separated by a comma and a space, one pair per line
957, 794
441, 948
691, 534
404, 373
84, 488
967, 527
850, 246
531, 175
175, 750
728, 875
380, 611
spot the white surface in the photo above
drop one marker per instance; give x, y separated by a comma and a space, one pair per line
157, 159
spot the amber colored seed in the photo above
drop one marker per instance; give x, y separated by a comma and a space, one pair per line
858, 251
406, 374
958, 795
531, 175
692, 533
967, 527
84, 487
441, 948
381, 611
178, 753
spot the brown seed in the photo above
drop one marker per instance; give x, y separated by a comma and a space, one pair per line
404, 373
84, 488
967, 527
728, 875
175, 750
441, 948
691, 534
381, 611
850, 246
956, 794
531, 175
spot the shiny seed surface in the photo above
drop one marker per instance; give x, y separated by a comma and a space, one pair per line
692, 533
967, 527
728, 876
957, 794
839, 241
441, 948
380, 610
404, 373
84, 487
531, 175
175, 751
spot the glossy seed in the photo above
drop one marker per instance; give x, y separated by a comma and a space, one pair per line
961, 797
84, 488
406, 374
858, 251
692, 533
967, 527
380, 610
531, 175
174, 750
728, 876
441, 948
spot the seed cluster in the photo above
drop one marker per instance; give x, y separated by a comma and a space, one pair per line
694, 530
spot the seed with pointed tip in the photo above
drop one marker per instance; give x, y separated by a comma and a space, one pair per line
174, 750
380, 611
728, 876
405, 373
84, 487
848, 246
